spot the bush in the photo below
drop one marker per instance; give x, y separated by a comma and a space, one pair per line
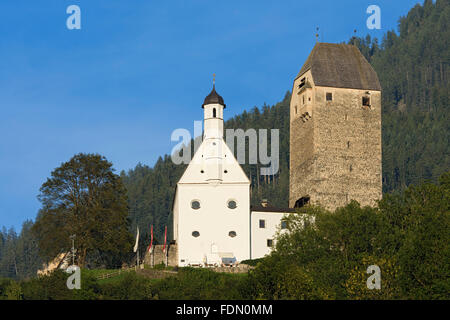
407, 236
199, 284
130, 287
252, 262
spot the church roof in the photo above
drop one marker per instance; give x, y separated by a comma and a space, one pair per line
214, 161
213, 98
271, 209
340, 66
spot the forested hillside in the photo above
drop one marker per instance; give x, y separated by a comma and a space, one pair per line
19, 254
413, 68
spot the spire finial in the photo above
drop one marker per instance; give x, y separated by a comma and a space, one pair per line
214, 79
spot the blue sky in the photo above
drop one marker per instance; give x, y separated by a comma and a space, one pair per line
137, 70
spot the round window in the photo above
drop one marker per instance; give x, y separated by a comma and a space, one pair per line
195, 234
195, 204
232, 204
232, 234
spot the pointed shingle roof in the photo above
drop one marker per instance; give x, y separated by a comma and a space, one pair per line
340, 66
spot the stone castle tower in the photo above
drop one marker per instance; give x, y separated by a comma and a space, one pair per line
335, 129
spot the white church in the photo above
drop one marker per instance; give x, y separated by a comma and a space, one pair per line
213, 222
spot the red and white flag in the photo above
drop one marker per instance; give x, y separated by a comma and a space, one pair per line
165, 240
149, 249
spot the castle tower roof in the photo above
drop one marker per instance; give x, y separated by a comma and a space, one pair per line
213, 98
340, 66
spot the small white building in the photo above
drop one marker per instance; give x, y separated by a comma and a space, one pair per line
212, 218
265, 223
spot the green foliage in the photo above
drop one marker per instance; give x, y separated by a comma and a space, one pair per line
199, 284
130, 287
84, 197
150, 195
424, 253
407, 236
13, 291
252, 262
160, 266
49, 287
188, 284
19, 254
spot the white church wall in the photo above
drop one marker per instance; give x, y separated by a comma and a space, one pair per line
176, 212
213, 220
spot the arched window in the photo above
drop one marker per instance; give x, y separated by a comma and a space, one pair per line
214, 112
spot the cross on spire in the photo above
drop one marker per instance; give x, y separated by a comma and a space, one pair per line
214, 78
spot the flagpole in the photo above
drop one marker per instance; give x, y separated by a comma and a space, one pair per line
136, 247
150, 248
165, 248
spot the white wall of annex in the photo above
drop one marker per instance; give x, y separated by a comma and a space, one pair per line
260, 235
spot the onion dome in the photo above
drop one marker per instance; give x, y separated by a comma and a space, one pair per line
213, 98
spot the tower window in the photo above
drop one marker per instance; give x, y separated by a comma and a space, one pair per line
269, 243
214, 112
303, 97
302, 83
295, 109
329, 96
195, 204
283, 225
195, 234
366, 101
351, 168
302, 202
348, 144
262, 224
232, 234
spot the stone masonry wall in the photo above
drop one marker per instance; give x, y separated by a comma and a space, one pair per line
347, 143
335, 151
301, 145
158, 256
